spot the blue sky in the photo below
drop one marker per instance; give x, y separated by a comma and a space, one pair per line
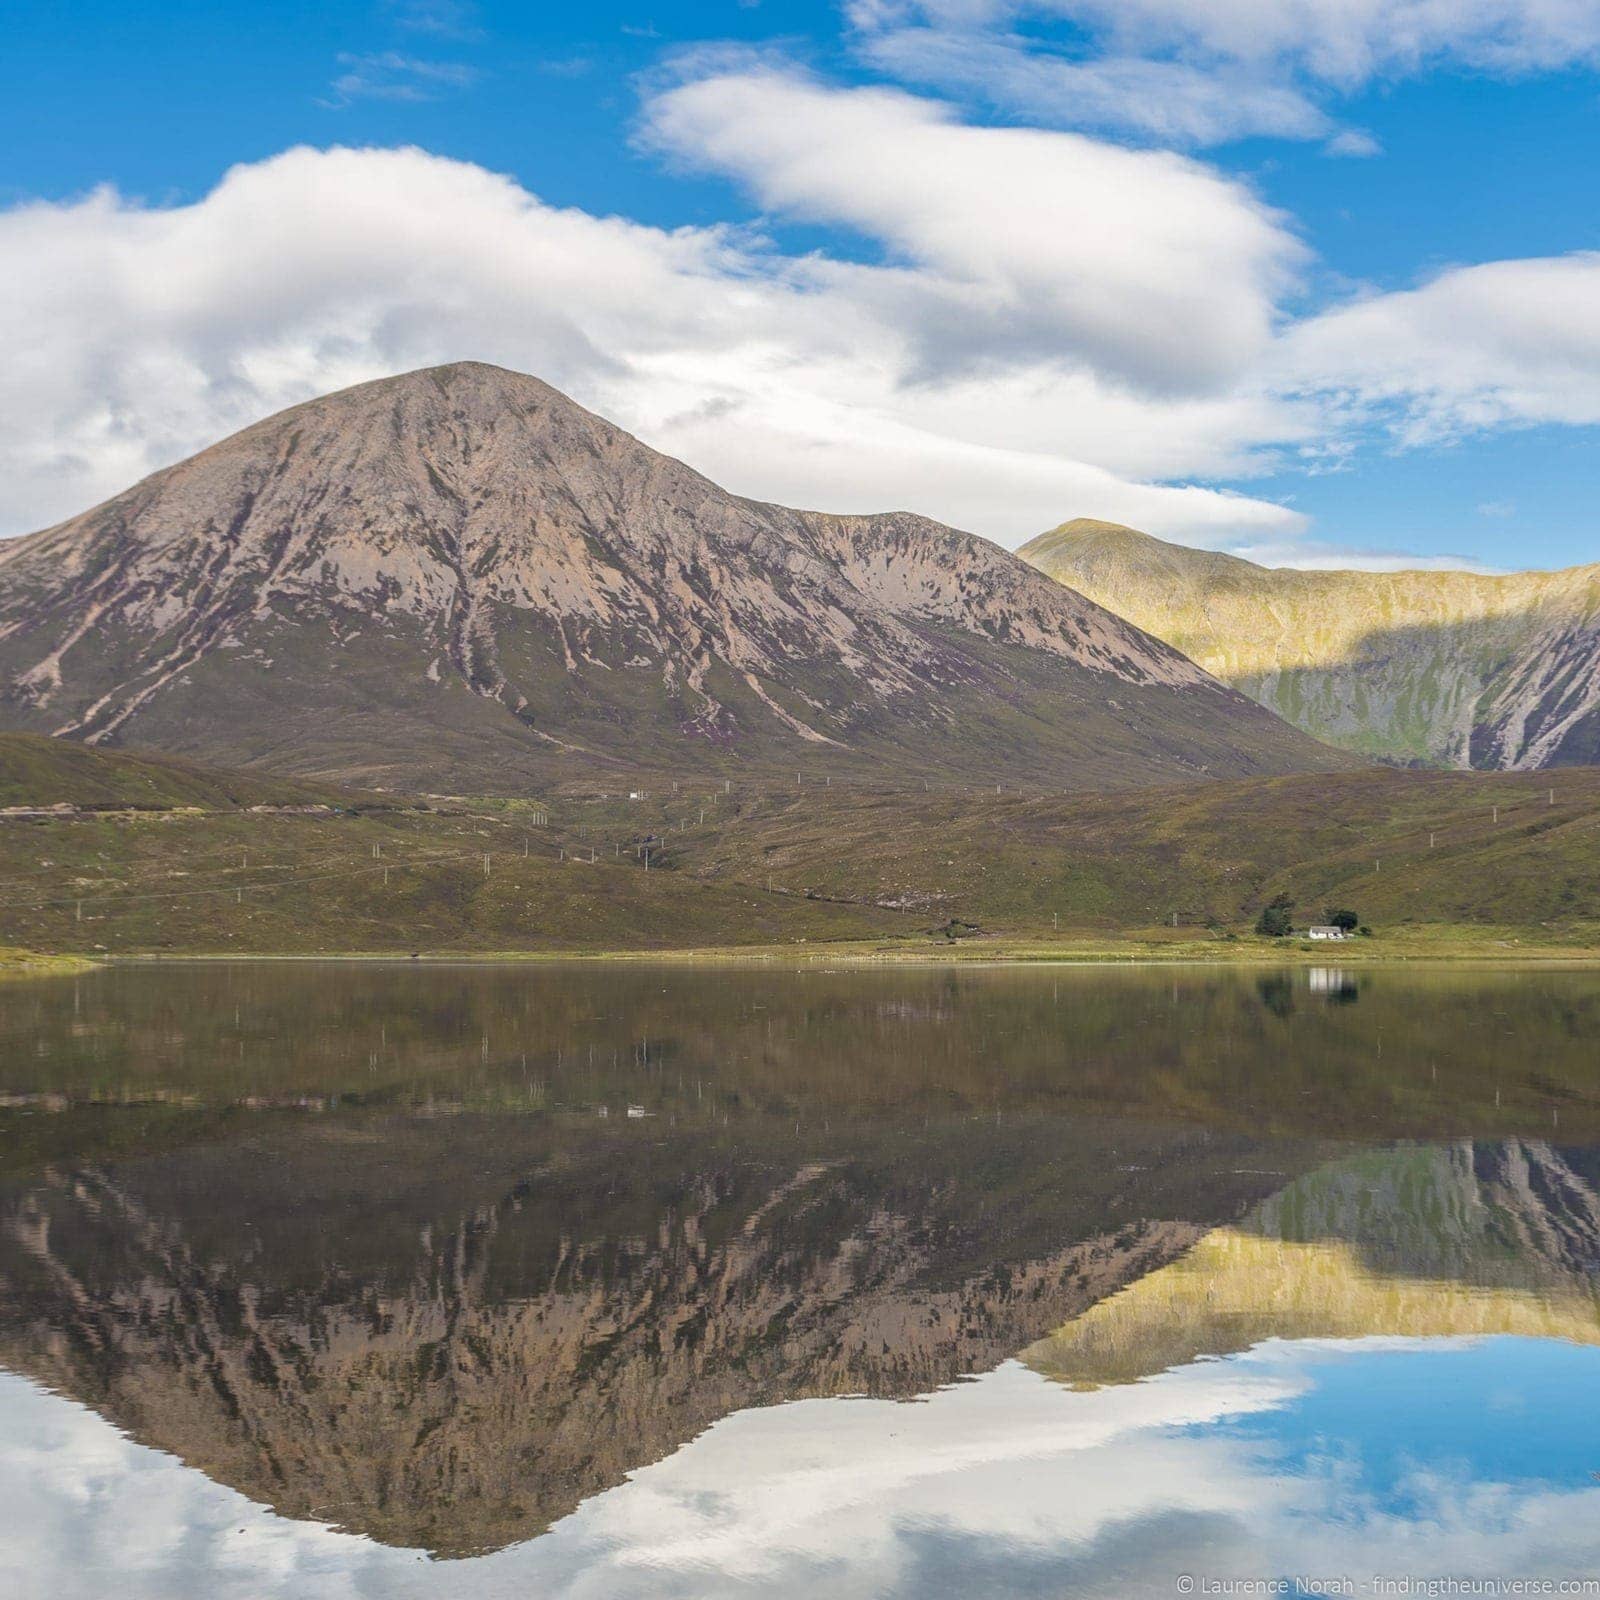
1283, 170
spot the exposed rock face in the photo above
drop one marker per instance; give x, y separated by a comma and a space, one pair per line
447, 576
1447, 668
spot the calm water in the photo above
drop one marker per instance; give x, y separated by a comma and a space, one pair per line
488, 1281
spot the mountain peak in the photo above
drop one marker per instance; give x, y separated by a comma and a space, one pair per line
458, 577
1088, 543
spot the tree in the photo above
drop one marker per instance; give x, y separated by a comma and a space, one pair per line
1277, 917
1344, 920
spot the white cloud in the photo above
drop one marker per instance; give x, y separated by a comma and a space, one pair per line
1503, 344
1142, 265
136, 335
1044, 326
1005, 1480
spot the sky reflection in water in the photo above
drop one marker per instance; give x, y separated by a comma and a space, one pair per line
1226, 1317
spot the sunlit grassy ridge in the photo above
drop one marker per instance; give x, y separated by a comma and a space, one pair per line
1419, 1242
1448, 668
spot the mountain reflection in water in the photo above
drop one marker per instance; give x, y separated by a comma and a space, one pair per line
441, 1257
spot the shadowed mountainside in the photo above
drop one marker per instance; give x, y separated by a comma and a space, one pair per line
1444, 668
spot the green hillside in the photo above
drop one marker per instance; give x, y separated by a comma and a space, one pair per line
43, 772
1403, 848
1508, 855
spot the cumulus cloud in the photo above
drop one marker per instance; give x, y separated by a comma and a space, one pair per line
1035, 325
1143, 265
137, 334
1505, 343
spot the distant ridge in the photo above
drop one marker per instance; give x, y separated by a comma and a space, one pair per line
460, 579
1454, 669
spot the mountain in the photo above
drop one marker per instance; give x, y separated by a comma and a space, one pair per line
459, 579
497, 1318
1463, 1240
1451, 669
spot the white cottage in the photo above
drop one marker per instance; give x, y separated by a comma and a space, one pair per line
1326, 933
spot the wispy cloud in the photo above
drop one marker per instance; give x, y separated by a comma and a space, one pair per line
566, 66
447, 19
1202, 72
1355, 142
390, 75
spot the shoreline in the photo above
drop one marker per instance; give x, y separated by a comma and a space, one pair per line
1364, 953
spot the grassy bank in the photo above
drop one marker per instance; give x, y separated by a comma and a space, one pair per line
34, 964
1430, 944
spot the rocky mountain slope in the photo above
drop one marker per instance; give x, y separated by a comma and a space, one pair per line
1444, 668
459, 579
488, 1327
